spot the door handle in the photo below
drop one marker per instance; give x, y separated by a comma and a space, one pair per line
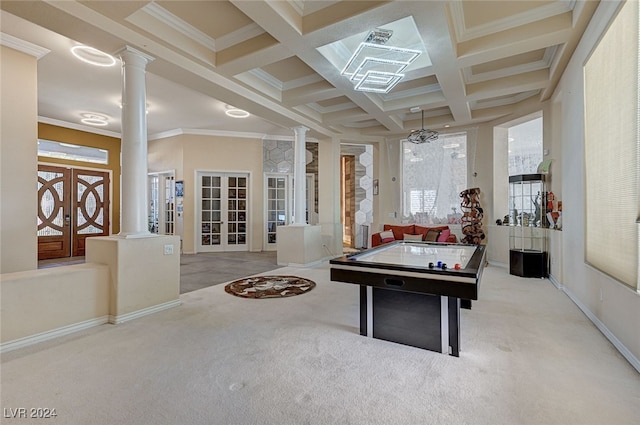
67, 219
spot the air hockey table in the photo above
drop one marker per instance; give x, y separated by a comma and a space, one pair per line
410, 292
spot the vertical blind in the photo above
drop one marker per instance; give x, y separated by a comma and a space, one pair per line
612, 149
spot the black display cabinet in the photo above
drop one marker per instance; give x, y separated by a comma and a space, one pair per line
527, 226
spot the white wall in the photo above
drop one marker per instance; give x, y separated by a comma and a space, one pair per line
40, 304
144, 273
614, 307
212, 153
18, 161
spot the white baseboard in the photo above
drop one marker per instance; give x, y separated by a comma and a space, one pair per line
55, 333
121, 318
555, 282
635, 362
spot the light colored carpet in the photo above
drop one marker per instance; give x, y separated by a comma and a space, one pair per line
529, 356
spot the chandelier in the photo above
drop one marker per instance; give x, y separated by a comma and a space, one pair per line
423, 135
376, 67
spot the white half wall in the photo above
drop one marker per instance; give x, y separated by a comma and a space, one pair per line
39, 302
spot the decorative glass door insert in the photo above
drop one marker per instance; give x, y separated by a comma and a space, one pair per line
54, 212
91, 201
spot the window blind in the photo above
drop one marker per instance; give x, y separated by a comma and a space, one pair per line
612, 149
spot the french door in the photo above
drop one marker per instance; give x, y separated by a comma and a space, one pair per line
73, 204
223, 209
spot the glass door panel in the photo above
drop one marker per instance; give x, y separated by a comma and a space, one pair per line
211, 211
169, 205
237, 211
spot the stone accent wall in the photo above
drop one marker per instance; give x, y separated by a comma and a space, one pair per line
278, 157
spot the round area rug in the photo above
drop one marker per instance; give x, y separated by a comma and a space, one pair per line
269, 287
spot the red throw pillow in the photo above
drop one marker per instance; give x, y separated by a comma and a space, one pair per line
444, 235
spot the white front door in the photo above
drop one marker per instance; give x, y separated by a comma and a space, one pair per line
223, 210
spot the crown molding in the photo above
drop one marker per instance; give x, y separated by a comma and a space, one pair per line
222, 133
79, 127
238, 36
22, 45
163, 15
503, 101
267, 78
302, 81
456, 12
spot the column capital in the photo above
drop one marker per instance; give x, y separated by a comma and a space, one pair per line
130, 52
300, 130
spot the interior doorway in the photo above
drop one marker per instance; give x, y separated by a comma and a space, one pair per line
162, 203
222, 212
348, 199
73, 204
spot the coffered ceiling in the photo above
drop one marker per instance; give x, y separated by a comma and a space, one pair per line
282, 61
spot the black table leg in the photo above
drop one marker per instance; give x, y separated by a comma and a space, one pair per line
454, 326
363, 310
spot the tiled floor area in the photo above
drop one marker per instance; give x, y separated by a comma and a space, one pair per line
199, 271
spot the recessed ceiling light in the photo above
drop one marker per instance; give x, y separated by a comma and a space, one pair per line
447, 126
94, 119
451, 146
93, 56
236, 112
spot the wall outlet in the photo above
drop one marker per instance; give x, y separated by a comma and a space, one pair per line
168, 250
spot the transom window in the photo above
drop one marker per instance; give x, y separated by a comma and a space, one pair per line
69, 151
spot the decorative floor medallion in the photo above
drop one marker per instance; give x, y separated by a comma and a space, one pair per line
269, 287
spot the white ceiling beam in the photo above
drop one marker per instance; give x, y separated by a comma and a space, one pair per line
539, 35
509, 85
309, 94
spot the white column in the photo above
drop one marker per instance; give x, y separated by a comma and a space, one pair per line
300, 176
134, 221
